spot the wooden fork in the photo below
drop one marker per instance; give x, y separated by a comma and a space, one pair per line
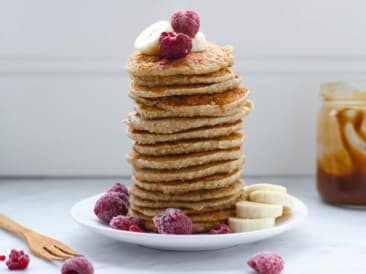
40, 245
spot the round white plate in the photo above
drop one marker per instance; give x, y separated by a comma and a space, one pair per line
82, 212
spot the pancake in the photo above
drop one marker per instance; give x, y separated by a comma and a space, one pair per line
210, 182
190, 173
153, 112
173, 125
214, 58
208, 78
158, 211
192, 196
188, 146
160, 91
145, 137
182, 160
197, 227
200, 105
218, 215
201, 205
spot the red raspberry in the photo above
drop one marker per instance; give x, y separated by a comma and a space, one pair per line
173, 221
121, 222
17, 260
266, 263
77, 265
174, 46
220, 229
135, 228
118, 187
111, 204
187, 22
2, 258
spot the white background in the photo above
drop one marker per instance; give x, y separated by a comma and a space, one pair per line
63, 88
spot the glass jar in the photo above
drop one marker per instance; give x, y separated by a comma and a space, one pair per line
341, 151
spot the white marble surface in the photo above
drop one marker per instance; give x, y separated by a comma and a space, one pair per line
331, 240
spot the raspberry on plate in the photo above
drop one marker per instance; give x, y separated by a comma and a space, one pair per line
135, 228
118, 187
173, 221
174, 46
17, 260
220, 229
77, 265
111, 204
187, 22
266, 263
122, 222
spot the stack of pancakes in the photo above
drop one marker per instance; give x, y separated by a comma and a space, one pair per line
187, 146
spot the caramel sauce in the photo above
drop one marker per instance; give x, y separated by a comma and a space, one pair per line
348, 189
339, 184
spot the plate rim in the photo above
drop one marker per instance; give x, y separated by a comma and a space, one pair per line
99, 228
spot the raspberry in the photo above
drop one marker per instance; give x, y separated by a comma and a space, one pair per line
2, 258
17, 260
173, 221
187, 22
111, 204
135, 228
266, 263
77, 265
118, 187
174, 46
121, 222
220, 229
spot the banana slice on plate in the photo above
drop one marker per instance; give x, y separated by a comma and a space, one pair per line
245, 225
272, 197
246, 209
148, 40
270, 187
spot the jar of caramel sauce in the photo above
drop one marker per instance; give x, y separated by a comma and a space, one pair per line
341, 136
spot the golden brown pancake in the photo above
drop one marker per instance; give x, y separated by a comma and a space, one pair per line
161, 91
218, 215
200, 105
188, 146
173, 125
154, 112
210, 182
181, 79
196, 206
158, 211
214, 58
191, 196
145, 137
183, 160
189, 173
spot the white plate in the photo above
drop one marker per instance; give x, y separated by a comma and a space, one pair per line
82, 212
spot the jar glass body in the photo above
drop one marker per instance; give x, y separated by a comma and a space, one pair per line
341, 144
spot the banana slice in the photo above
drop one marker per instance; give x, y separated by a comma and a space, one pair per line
270, 187
199, 42
148, 40
246, 209
272, 197
245, 225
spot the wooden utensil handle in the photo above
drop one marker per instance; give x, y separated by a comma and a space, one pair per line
11, 226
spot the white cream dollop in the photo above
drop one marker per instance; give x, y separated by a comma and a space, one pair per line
148, 40
199, 42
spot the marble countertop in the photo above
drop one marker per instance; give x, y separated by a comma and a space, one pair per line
331, 240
